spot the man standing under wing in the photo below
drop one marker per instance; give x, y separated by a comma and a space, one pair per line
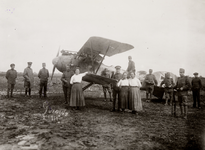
131, 66
43, 75
116, 90
11, 76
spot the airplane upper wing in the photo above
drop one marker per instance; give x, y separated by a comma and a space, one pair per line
97, 79
104, 46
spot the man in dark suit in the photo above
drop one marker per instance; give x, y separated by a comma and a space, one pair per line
196, 86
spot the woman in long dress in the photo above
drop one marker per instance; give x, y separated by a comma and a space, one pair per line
77, 98
135, 103
124, 87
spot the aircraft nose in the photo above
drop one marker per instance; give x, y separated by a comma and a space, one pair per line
55, 61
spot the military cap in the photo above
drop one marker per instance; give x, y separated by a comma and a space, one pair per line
12, 65
195, 73
117, 67
43, 63
130, 57
181, 70
29, 63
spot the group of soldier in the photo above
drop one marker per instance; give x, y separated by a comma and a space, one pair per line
180, 89
28, 75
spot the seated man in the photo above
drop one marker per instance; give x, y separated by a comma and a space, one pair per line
168, 87
150, 81
106, 87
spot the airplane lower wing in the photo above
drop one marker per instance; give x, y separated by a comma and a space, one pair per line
96, 79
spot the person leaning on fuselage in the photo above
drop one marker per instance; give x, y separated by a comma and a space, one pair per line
11, 76
66, 83
116, 90
43, 76
182, 87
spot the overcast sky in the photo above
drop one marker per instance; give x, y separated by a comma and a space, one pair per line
166, 34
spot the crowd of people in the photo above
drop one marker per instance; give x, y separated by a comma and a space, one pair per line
126, 91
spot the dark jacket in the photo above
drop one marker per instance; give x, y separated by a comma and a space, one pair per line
118, 77
131, 66
66, 77
185, 84
150, 79
11, 76
196, 83
43, 74
169, 83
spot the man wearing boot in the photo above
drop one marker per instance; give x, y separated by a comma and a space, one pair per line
150, 81
43, 76
66, 82
196, 86
131, 66
28, 79
182, 87
106, 87
116, 90
11, 76
168, 88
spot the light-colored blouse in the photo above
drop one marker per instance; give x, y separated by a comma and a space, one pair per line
122, 82
134, 82
77, 78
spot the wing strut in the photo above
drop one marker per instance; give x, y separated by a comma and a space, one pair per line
102, 60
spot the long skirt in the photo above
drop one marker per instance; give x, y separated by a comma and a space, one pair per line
135, 102
124, 97
77, 97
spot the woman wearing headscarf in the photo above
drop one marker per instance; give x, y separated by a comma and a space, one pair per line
124, 85
77, 97
135, 103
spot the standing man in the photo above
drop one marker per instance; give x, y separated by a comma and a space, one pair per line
106, 87
116, 90
196, 86
150, 81
43, 76
131, 66
28, 79
66, 83
182, 87
11, 76
168, 87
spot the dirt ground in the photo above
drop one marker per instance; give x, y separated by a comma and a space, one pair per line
22, 126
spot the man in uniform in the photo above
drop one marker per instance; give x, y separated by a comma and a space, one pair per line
43, 75
116, 90
196, 86
28, 79
150, 81
131, 66
168, 87
11, 76
182, 87
106, 87
66, 82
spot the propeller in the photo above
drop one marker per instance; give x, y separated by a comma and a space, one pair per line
54, 67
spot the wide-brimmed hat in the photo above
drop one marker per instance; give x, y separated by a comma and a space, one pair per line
195, 73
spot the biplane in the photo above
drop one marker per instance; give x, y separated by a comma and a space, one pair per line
90, 57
